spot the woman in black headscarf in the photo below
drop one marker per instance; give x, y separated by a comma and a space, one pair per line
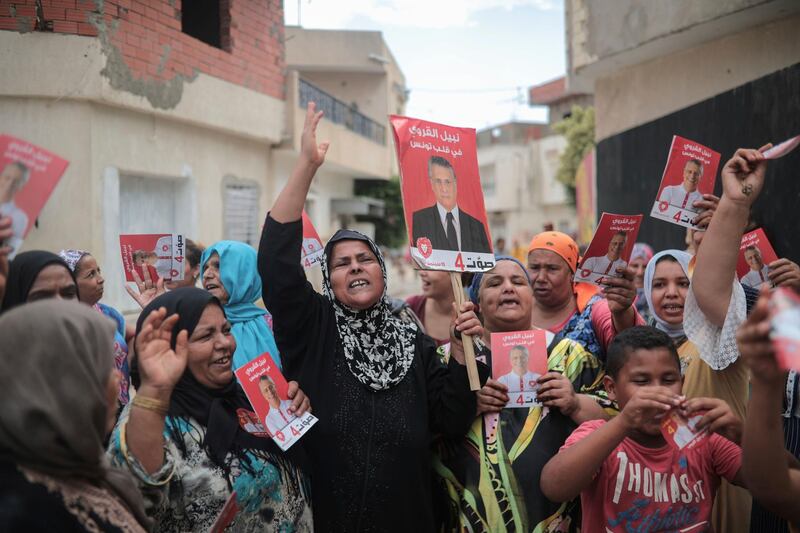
38, 275
379, 389
58, 392
181, 435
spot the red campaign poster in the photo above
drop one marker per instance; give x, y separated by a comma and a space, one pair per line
783, 148
162, 253
442, 196
519, 359
27, 179
755, 253
611, 247
312, 245
266, 389
690, 173
784, 311
681, 432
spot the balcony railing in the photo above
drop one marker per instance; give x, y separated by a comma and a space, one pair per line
341, 113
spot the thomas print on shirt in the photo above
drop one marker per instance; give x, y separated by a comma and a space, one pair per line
658, 501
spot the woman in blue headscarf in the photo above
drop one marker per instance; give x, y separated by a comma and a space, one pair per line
229, 272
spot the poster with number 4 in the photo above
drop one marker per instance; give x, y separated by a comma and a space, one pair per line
681, 432
690, 173
519, 359
312, 245
266, 389
610, 249
162, 254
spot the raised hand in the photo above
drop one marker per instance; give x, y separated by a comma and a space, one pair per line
743, 175
148, 290
312, 152
159, 364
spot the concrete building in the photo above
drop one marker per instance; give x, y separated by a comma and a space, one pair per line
178, 117
725, 74
518, 163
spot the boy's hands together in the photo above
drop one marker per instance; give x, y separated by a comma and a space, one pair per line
647, 405
719, 417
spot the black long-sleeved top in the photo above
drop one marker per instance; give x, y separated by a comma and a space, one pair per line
371, 464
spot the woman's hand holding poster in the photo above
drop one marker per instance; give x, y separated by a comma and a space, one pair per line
267, 389
610, 249
28, 175
690, 173
442, 196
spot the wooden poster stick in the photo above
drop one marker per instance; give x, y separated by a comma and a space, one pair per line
469, 347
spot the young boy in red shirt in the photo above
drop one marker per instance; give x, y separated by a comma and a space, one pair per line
629, 477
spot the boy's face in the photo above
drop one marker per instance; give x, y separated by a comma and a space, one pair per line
646, 368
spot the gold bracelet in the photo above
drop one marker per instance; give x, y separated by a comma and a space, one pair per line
159, 406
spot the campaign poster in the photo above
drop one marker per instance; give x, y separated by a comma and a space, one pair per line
28, 175
610, 249
755, 253
162, 254
312, 245
690, 173
782, 149
519, 359
442, 196
784, 311
266, 389
681, 432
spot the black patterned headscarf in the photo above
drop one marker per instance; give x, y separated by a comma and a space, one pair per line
378, 346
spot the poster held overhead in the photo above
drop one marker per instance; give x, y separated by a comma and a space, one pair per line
519, 359
691, 172
755, 253
312, 245
266, 389
162, 254
28, 175
442, 196
611, 247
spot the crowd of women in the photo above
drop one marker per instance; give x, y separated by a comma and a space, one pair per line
108, 426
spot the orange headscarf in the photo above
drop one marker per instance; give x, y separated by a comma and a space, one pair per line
563, 245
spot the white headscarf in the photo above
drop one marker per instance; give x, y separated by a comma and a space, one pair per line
674, 331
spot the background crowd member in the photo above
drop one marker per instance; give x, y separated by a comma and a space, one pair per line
6, 231
90, 289
489, 477
230, 272
667, 282
38, 275
379, 387
434, 307
577, 311
772, 483
717, 303
58, 388
181, 438
640, 256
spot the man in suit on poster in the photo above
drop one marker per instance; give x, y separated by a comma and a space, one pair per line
446, 225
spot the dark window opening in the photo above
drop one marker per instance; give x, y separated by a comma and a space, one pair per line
206, 20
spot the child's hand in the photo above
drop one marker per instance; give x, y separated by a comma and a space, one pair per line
492, 397
556, 390
647, 405
719, 418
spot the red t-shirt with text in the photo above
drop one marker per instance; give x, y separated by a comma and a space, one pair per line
655, 489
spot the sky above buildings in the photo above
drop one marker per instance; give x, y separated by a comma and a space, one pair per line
466, 62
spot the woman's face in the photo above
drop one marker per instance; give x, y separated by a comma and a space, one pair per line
190, 274
53, 281
211, 348
356, 276
436, 284
668, 295
90, 280
212, 282
506, 298
551, 278
638, 265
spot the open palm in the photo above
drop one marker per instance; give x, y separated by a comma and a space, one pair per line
313, 152
160, 365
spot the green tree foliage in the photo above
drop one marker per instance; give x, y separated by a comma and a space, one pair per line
578, 129
390, 231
